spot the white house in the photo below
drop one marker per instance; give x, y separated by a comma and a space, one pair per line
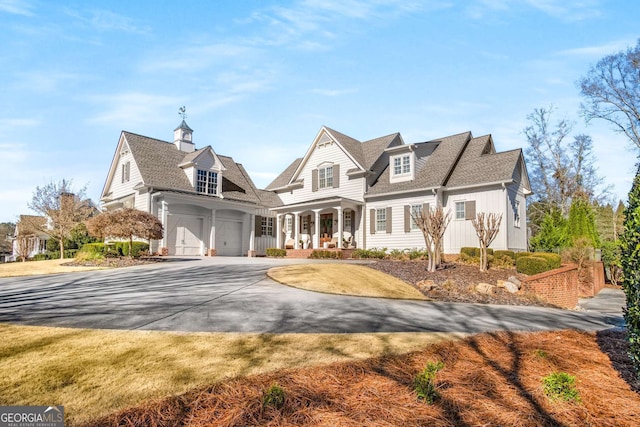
26, 228
343, 187
342, 190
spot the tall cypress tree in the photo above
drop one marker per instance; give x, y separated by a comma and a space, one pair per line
630, 243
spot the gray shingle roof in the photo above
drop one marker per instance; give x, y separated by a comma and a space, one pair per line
373, 148
353, 146
436, 159
158, 164
284, 178
477, 166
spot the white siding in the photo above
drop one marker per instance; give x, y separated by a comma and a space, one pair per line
263, 242
398, 238
331, 153
461, 233
517, 236
117, 188
142, 202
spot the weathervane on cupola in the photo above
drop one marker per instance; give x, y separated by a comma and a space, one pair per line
182, 134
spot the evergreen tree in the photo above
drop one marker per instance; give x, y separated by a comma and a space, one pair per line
582, 222
552, 235
630, 243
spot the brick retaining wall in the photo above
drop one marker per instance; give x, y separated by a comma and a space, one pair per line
559, 286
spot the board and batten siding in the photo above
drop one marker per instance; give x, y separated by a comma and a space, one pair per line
263, 241
117, 187
398, 238
325, 155
460, 232
517, 236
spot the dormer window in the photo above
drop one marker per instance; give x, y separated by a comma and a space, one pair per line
402, 167
207, 182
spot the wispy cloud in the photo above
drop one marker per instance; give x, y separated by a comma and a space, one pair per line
105, 20
45, 81
16, 7
333, 92
131, 108
194, 59
600, 50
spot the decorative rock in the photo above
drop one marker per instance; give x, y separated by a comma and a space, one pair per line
485, 288
427, 285
500, 283
511, 287
515, 281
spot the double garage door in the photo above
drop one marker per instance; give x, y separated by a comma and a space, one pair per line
185, 235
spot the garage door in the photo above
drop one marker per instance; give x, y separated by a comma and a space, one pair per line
183, 234
228, 238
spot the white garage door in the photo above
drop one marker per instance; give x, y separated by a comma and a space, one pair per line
183, 234
228, 238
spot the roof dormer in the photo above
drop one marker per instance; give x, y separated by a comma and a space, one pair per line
402, 163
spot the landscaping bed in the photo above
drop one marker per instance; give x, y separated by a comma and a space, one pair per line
115, 262
456, 282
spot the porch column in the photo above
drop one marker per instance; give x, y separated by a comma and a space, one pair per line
252, 235
296, 230
279, 231
212, 234
316, 235
340, 221
164, 218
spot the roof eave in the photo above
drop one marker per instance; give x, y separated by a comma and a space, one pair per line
480, 184
395, 193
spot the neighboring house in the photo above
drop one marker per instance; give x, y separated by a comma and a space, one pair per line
27, 228
343, 192
366, 191
206, 202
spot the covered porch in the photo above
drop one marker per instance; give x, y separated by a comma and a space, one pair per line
332, 223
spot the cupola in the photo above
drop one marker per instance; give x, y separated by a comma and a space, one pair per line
183, 135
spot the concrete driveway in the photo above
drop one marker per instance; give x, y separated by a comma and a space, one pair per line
234, 295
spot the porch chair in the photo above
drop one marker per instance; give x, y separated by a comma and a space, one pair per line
290, 244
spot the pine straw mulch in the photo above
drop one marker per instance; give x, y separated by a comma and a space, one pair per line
117, 262
456, 282
487, 379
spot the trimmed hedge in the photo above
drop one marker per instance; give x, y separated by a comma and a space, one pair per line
531, 265
554, 260
68, 253
505, 254
521, 254
370, 253
322, 254
276, 252
40, 257
136, 248
474, 252
93, 248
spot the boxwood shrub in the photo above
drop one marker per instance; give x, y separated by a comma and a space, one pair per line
505, 254
276, 252
530, 265
93, 248
322, 254
474, 252
137, 248
554, 260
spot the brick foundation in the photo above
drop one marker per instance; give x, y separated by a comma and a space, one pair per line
212, 252
306, 253
164, 251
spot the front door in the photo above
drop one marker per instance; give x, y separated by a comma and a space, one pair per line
326, 225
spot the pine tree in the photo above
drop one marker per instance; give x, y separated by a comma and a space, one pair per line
630, 239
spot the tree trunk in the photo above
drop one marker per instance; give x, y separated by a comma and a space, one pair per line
61, 249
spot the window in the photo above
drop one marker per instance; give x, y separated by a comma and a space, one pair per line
267, 226
289, 225
460, 214
325, 176
381, 219
416, 211
305, 224
347, 221
516, 214
126, 172
402, 165
207, 182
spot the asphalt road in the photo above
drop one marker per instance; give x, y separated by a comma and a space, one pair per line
234, 295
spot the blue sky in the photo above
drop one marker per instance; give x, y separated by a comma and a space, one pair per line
259, 78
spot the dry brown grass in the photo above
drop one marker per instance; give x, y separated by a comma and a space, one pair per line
95, 372
488, 379
32, 268
344, 279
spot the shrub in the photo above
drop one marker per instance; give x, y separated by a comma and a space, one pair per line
274, 396
93, 248
531, 265
40, 257
370, 253
612, 259
505, 254
554, 260
417, 254
424, 385
398, 254
136, 248
325, 254
53, 255
560, 385
521, 254
470, 252
89, 256
502, 261
276, 252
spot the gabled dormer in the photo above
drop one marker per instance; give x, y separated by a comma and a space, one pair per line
204, 170
402, 163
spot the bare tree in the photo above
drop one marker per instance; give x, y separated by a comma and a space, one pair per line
487, 227
126, 224
63, 208
24, 245
433, 223
611, 90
